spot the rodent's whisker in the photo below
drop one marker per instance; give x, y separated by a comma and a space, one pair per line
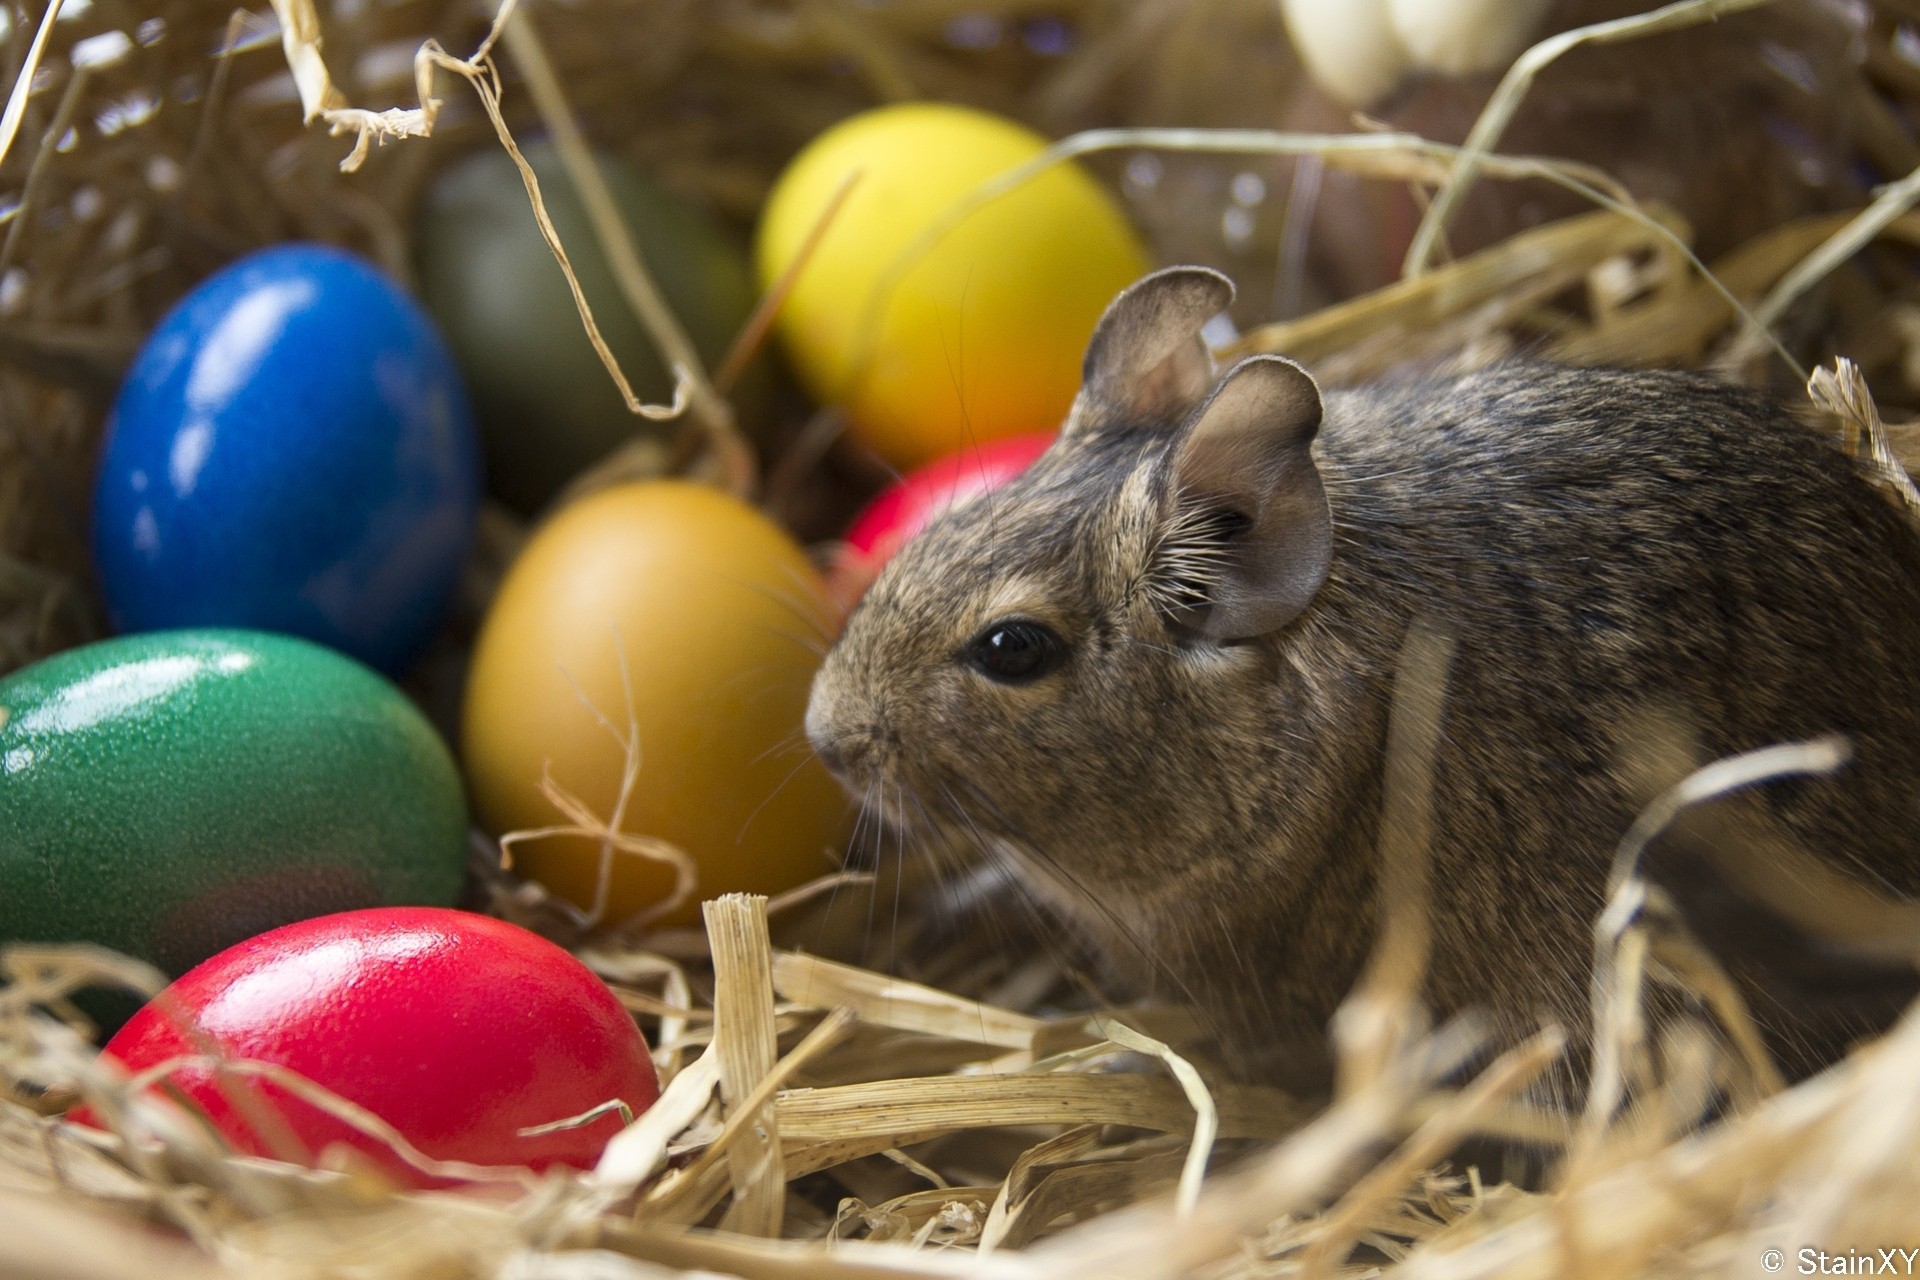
1045, 923
873, 824
953, 866
815, 648
1144, 951
847, 859
796, 605
899, 874
790, 740
1138, 643
780, 786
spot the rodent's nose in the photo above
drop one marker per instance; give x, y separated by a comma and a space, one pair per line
845, 738
846, 751
833, 754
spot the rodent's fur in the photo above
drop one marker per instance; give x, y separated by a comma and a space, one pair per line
1612, 550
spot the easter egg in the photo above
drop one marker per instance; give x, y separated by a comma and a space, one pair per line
672, 620
546, 405
459, 1030
976, 338
290, 451
909, 505
171, 793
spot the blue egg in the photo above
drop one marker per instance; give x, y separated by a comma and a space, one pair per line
291, 451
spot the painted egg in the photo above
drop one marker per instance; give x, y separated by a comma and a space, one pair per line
171, 793
459, 1030
903, 510
291, 451
671, 619
546, 405
979, 337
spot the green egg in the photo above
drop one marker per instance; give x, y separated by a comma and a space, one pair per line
547, 407
172, 793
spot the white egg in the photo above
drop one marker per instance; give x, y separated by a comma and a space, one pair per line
1464, 37
1349, 47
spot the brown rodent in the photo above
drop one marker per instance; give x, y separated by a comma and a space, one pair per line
1153, 673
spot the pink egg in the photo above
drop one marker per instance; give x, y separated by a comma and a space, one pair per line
459, 1030
884, 525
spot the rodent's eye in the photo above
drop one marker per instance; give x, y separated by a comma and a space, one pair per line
1014, 651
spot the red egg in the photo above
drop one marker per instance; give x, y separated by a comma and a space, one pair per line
884, 525
457, 1029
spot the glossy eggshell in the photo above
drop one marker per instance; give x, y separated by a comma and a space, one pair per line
291, 451
697, 617
980, 338
171, 793
546, 405
458, 1030
906, 507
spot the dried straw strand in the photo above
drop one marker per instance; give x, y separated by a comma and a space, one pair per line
637, 286
16, 108
745, 1042
1514, 86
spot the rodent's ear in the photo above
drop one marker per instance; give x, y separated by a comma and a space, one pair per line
1146, 359
1245, 478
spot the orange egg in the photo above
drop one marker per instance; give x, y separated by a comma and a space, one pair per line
678, 612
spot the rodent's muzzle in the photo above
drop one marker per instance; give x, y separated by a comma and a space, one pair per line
852, 754
852, 748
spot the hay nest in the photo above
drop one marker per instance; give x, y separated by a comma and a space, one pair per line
963, 1112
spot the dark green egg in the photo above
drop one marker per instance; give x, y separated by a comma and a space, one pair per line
172, 793
547, 407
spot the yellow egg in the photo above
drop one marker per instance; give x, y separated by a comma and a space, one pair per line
981, 337
677, 610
